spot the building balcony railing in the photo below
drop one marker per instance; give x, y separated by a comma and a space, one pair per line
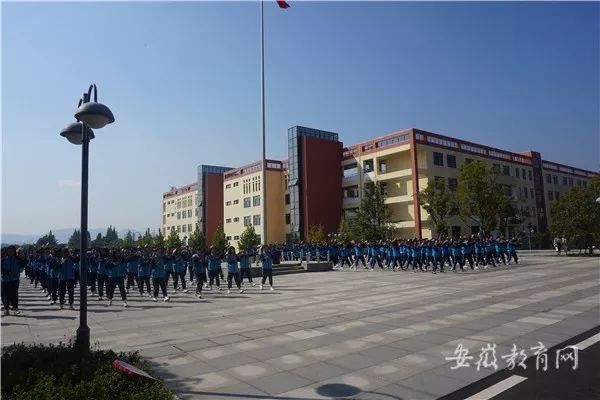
402, 173
408, 198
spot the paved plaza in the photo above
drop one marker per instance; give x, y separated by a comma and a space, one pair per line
356, 334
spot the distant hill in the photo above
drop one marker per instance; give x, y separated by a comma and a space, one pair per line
62, 235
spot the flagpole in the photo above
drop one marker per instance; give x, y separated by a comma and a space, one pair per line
262, 110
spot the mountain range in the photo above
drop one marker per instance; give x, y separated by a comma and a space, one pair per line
62, 235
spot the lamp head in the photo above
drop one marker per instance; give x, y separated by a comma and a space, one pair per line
73, 132
95, 115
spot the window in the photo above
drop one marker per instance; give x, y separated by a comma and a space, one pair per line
451, 161
531, 192
189, 227
564, 180
247, 221
228, 186
438, 181
228, 237
178, 214
228, 221
555, 179
550, 195
506, 171
189, 213
350, 170
523, 174
236, 184
468, 160
195, 212
452, 183
368, 166
256, 220
530, 175
556, 195
246, 202
438, 159
179, 204
351, 192
228, 203
287, 198
236, 238
570, 181
236, 219
517, 172
256, 201
236, 202
382, 166
383, 188
178, 228
525, 192
287, 219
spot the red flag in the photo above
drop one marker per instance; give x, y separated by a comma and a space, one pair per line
282, 4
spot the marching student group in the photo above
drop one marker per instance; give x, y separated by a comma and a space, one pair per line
55, 271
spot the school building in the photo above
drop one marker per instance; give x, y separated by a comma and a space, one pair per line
322, 181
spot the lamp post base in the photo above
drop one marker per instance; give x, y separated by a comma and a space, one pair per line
82, 340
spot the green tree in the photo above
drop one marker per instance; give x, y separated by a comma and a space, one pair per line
511, 213
480, 196
98, 242
576, 216
159, 240
197, 241
75, 238
146, 241
129, 240
47, 240
315, 234
248, 239
173, 241
440, 202
345, 233
373, 216
219, 241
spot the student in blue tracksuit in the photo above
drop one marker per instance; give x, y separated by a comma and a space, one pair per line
116, 268
213, 261
511, 248
266, 260
143, 273
157, 263
178, 271
233, 271
132, 262
245, 264
54, 269
66, 278
374, 253
11, 272
199, 268
456, 252
102, 274
358, 255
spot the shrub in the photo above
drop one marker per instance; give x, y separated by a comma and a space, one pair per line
60, 372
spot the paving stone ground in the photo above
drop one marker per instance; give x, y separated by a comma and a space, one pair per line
358, 334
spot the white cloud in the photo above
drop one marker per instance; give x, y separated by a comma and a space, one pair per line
68, 183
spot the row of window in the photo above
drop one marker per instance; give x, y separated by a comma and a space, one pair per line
251, 185
181, 228
553, 179
183, 214
248, 220
235, 184
553, 195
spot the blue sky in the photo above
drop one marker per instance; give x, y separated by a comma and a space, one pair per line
183, 82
